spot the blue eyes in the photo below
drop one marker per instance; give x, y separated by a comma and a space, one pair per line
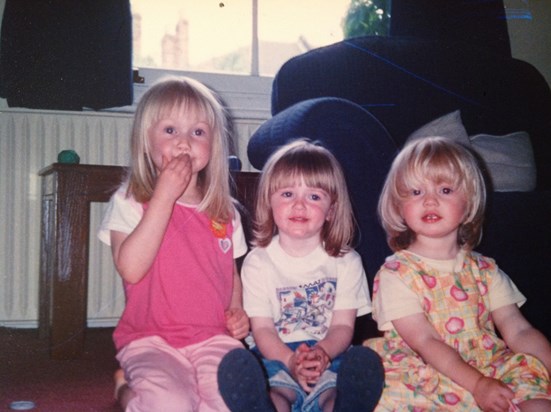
313, 196
443, 190
197, 132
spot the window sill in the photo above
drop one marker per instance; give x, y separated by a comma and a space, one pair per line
247, 97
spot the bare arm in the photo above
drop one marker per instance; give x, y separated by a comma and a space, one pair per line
268, 341
420, 335
237, 320
520, 335
237, 292
312, 362
306, 364
339, 335
134, 253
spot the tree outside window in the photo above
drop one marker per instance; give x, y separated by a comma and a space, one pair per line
367, 17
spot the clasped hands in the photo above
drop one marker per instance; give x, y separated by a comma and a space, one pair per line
307, 364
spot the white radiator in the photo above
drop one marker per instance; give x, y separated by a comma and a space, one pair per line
29, 141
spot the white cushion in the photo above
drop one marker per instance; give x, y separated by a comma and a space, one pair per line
449, 125
510, 160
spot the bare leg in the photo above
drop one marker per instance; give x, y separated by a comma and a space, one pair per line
535, 405
283, 398
123, 393
326, 400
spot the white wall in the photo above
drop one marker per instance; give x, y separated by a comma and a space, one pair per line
531, 39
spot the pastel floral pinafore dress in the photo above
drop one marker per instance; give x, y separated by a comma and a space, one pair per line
457, 304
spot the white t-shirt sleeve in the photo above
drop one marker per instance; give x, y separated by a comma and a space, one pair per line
256, 285
394, 300
503, 291
352, 288
123, 214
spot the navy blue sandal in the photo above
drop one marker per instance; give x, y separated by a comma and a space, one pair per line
360, 380
243, 384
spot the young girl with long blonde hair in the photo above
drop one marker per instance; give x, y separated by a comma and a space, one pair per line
174, 235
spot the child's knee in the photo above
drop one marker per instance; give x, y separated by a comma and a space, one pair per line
162, 396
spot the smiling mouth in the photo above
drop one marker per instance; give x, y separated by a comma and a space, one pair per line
431, 218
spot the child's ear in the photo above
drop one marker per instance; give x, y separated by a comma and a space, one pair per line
331, 212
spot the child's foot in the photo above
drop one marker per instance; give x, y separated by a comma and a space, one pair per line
242, 383
360, 380
123, 393
120, 381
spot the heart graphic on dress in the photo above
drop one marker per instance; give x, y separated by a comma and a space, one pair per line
225, 244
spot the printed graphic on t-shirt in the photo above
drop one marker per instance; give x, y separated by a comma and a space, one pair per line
306, 307
225, 244
220, 231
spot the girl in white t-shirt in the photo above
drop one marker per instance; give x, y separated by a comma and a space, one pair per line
303, 287
174, 234
439, 302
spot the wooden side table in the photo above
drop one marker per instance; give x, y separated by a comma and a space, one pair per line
67, 192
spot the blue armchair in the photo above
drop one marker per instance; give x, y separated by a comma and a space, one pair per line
362, 98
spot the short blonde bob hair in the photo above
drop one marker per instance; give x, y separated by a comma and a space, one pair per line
186, 94
302, 160
436, 159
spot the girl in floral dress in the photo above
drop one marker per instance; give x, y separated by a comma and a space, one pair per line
440, 304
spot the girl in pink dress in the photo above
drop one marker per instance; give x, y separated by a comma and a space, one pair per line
440, 304
174, 234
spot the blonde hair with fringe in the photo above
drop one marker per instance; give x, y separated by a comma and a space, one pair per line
437, 159
302, 160
188, 94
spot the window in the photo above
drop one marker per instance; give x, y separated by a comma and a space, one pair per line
234, 46
231, 36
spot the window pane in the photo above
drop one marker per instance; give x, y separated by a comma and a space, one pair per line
216, 35
287, 28
202, 35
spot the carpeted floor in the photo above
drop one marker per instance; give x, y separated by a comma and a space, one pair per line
28, 374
